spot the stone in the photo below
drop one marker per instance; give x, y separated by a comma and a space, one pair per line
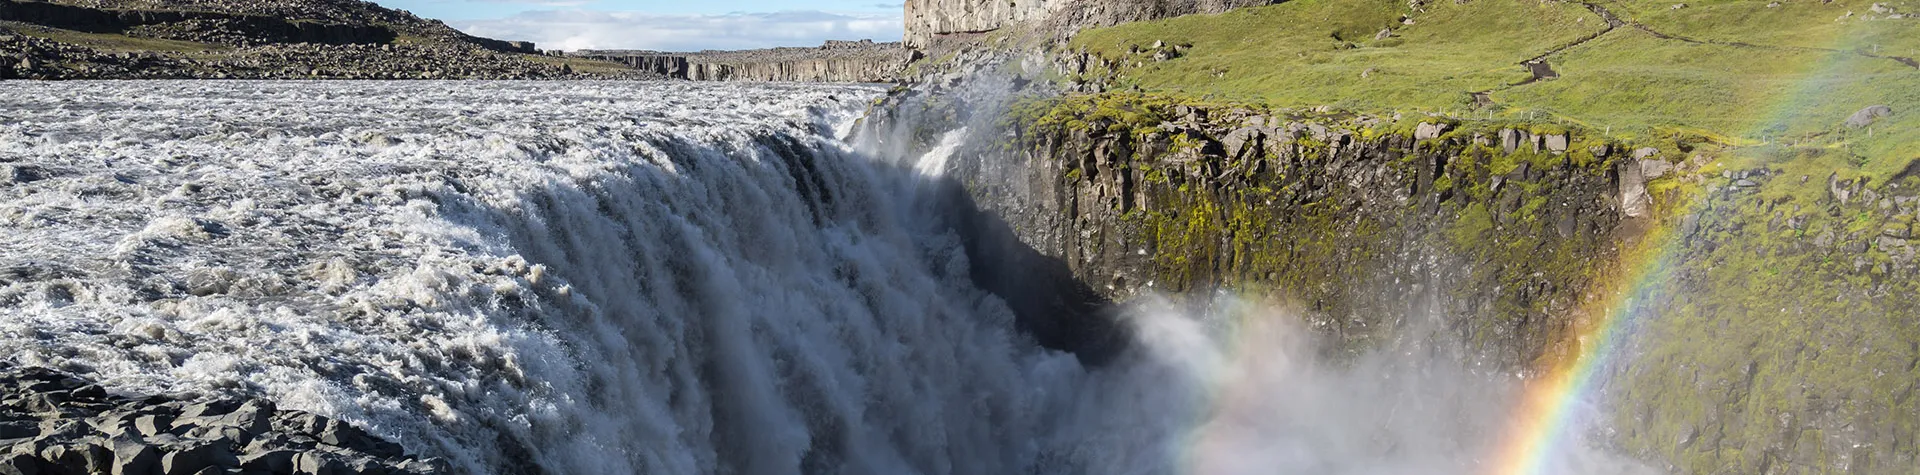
17, 463
1429, 131
1837, 190
1557, 143
1645, 153
153, 424
316, 463
275, 461
84, 455
1654, 169
18, 429
1634, 200
1898, 231
133, 457
1509, 140
195, 458
1236, 142
1868, 116
254, 417
23, 174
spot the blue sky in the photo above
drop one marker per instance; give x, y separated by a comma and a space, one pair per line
678, 25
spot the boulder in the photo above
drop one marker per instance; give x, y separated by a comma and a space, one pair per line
192, 459
316, 463
134, 457
275, 461
1634, 200
85, 455
1868, 116
1509, 140
1428, 131
1654, 169
1645, 153
1557, 143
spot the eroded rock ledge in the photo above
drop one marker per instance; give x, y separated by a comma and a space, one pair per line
55, 423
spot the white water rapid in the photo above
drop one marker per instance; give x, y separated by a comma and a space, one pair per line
600, 278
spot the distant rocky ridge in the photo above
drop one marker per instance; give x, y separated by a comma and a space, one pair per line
836, 61
274, 39
355, 39
54, 423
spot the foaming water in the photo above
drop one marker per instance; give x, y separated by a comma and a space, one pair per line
580, 277
632, 278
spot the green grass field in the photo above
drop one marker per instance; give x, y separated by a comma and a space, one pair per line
1773, 81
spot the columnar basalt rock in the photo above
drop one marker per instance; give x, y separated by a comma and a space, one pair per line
54, 422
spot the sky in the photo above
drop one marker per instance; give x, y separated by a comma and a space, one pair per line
666, 25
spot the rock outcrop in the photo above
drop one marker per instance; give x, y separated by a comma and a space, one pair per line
930, 19
54, 423
836, 61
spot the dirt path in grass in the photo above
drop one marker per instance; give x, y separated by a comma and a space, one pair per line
1542, 70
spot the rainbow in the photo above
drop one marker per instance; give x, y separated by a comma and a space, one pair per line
1545, 415
1546, 412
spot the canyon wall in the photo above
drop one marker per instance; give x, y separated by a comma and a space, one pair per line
837, 61
1370, 225
930, 19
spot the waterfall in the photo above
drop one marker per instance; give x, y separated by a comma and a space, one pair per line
605, 277
597, 278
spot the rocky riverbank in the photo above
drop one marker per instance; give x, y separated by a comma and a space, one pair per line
54, 423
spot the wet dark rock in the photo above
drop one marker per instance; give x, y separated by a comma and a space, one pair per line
198, 457
133, 456
317, 463
17, 463
276, 461
55, 423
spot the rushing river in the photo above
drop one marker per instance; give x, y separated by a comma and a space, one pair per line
631, 278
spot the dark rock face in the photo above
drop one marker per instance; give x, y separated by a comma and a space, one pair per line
837, 61
54, 423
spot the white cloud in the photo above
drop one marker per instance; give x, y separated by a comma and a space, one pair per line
582, 29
